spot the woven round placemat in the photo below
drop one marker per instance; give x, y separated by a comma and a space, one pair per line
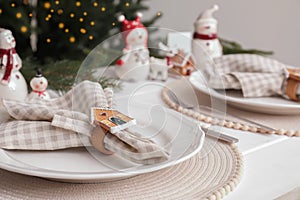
210, 174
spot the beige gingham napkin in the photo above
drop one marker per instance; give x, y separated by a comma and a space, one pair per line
64, 122
255, 75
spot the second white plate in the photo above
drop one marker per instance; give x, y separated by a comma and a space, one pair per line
267, 105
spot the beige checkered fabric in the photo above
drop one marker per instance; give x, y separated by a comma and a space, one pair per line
135, 148
64, 122
255, 75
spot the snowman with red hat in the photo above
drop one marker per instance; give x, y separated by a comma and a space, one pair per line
134, 63
12, 82
205, 44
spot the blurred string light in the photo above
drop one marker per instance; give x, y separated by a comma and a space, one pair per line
47, 5
59, 11
78, 3
83, 30
18, 15
23, 29
72, 39
61, 25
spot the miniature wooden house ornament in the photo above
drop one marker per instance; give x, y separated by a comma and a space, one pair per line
111, 120
183, 63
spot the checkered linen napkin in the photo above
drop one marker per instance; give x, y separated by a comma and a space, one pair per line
255, 75
64, 122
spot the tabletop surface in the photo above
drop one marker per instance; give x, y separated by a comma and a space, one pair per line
271, 162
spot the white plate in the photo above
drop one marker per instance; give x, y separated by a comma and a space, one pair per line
168, 128
267, 105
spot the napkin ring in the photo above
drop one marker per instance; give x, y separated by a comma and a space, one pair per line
97, 140
292, 84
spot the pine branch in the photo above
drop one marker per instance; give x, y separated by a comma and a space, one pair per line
231, 47
61, 75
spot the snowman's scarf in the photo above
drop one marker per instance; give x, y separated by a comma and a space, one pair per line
205, 37
9, 66
40, 93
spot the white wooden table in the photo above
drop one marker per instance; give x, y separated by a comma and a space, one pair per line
271, 162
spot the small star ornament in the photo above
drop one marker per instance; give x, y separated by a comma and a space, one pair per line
39, 86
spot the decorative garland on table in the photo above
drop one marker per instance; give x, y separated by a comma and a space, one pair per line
224, 123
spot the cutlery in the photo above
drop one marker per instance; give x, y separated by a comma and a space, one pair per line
192, 107
208, 130
218, 135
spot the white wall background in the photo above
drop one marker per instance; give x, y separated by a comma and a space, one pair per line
264, 24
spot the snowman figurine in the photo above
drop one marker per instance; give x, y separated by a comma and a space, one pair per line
134, 63
12, 83
205, 43
38, 85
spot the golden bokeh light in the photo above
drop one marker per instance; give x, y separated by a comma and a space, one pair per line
18, 15
83, 31
78, 3
47, 5
60, 11
61, 25
23, 29
72, 39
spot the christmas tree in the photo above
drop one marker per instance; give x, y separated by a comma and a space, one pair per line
64, 29
58, 34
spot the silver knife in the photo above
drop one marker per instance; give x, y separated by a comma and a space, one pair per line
216, 134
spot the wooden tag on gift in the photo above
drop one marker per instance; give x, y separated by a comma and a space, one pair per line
111, 120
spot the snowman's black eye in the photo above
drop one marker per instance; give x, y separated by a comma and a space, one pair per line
41, 82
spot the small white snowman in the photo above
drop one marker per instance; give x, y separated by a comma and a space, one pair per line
39, 86
12, 82
205, 41
134, 64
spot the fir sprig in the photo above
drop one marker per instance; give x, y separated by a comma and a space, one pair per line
231, 47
